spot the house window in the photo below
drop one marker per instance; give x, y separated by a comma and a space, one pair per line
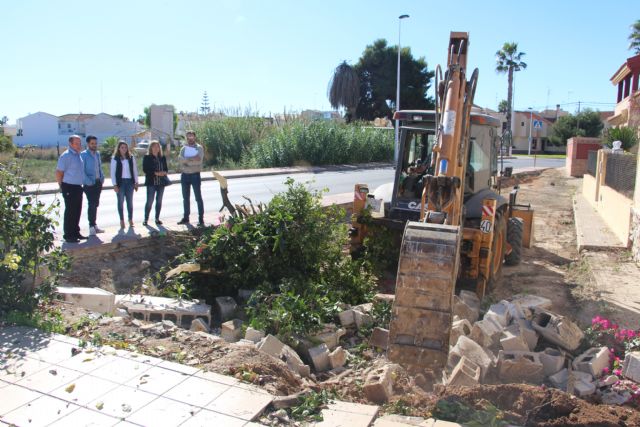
68, 125
522, 124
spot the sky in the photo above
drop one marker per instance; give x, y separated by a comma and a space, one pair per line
270, 56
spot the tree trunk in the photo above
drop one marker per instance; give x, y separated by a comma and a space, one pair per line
510, 106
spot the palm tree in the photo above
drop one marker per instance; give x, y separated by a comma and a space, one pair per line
509, 60
634, 38
344, 89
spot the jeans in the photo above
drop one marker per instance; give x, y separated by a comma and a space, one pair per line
72, 195
125, 191
93, 199
158, 192
188, 180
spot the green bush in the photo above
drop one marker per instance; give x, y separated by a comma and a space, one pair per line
107, 147
6, 144
627, 135
322, 143
29, 265
292, 254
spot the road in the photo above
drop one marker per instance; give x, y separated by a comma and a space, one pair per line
259, 189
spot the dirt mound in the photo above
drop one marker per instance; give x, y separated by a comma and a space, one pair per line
536, 406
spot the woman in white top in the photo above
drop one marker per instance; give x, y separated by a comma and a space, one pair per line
124, 175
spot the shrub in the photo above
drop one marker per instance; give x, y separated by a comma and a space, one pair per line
6, 144
627, 135
27, 254
107, 147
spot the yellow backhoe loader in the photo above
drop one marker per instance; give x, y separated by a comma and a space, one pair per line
457, 229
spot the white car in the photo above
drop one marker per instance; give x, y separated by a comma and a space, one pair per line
142, 147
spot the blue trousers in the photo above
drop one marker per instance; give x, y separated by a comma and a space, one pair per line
125, 191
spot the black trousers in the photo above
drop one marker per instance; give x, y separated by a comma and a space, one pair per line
93, 199
72, 195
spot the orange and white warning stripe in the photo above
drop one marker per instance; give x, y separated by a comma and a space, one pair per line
488, 210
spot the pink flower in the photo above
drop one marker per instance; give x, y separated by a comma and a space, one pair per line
605, 371
617, 372
596, 320
605, 324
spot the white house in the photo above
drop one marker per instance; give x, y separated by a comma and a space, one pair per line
39, 129
104, 125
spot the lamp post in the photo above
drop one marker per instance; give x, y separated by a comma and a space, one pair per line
530, 125
396, 147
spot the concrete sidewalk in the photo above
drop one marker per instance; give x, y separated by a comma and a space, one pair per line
52, 187
592, 233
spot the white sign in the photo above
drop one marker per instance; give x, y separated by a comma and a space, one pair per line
190, 151
449, 120
485, 226
537, 124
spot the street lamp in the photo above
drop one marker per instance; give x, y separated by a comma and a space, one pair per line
395, 151
530, 125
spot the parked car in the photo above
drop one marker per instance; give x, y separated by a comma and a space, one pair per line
142, 147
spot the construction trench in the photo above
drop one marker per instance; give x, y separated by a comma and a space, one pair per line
521, 354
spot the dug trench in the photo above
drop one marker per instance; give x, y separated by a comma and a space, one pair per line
551, 268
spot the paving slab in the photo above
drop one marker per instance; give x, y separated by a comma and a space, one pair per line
196, 391
240, 403
40, 412
157, 380
122, 401
211, 418
14, 396
591, 231
121, 370
16, 369
54, 352
87, 362
86, 418
83, 390
178, 367
339, 414
47, 380
163, 412
215, 377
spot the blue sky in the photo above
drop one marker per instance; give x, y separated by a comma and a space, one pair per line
119, 56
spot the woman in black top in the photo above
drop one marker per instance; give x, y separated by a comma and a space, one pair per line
154, 165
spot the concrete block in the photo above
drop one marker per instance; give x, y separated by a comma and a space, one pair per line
225, 308
465, 311
581, 388
93, 299
155, 309
253, 335
199, 325
530, 334
231, 331
319, 356
557, 329
347, 318
466, 373
552, 360
560, 379
517, 312
271, 345
499, 313
609, 380
245, 294
532, 302
471, 350
592, 361
458, 328
388, 298
513, 340
337, 358
470, 298
520, 366
379, 338
631, 366
378, 386
293, 361
486, 332
362, 316
330, 336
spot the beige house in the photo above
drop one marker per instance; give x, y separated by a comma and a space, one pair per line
525, 124
626, 78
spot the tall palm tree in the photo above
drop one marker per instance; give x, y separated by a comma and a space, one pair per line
344, 89
509, 60
634, 38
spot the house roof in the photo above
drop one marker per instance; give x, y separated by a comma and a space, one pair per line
76, 117
631, 65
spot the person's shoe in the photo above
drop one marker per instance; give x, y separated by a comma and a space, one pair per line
81, 237
158, 222
144, 223
92, 231
72, 240
131, 223
183, 221
98, 229
200, 223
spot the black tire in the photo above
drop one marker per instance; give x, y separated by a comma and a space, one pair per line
515, 230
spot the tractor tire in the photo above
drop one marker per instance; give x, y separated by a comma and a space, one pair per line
515, 230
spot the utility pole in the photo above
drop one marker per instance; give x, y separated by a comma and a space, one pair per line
530, 125
578, 117
397, 136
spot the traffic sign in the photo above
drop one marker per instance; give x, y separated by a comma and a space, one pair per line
537, 124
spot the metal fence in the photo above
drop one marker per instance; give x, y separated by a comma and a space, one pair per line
592, 163
621, 173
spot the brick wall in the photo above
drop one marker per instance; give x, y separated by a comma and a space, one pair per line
577, 151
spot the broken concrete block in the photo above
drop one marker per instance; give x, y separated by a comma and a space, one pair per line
245, 294
458, 328
552, 360
470, 298
607, 381
231, 331
464, 310
253, 335
557, 329
347, 318
330, 336
500, 313
517, 312
337, 358
199, 325
532, 302
614, 397
581, 388
592, 361
388, 298
319, 356
486, 332
511, 341
468, 348
379, 338
362, 316
378, 386
466, 374
270, 345
631, 366
520, 366
524, 327
293, 361
560, 379
93, 299
225, 308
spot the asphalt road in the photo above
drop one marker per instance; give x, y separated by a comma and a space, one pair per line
259, 189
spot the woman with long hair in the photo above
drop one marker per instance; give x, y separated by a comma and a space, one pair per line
154, 165
124, 176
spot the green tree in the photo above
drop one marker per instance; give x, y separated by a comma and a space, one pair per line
377, 72
626, 134
509, 60
344, 89
634, 37
503, 106
587, 123
6, 144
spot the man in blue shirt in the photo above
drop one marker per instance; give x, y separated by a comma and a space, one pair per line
70, 177
93, 180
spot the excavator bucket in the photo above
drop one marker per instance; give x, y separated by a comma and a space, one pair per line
422, 310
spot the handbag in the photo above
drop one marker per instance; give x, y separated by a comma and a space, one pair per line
165, 181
